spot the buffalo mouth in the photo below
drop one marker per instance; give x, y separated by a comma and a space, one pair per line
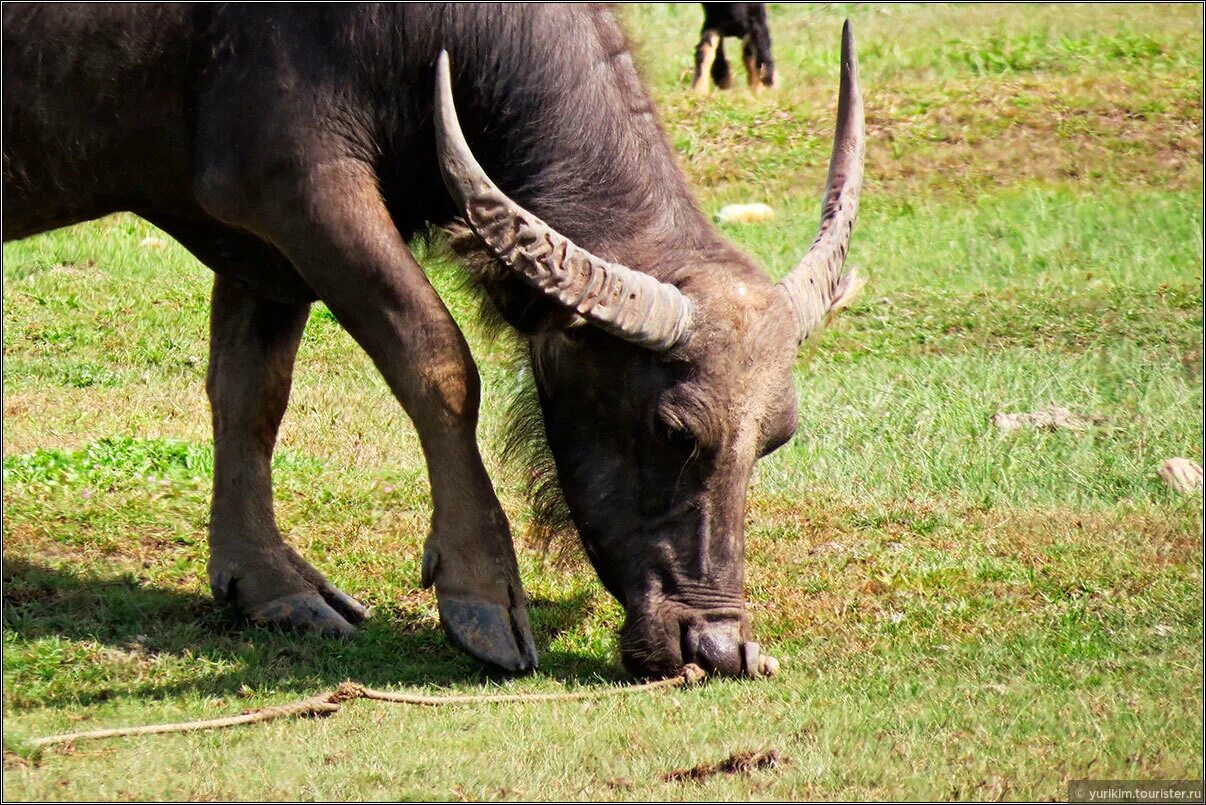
717, 640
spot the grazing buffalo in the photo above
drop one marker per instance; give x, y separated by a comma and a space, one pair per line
294, 149
746, 21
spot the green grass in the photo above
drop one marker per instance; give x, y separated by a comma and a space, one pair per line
960, 614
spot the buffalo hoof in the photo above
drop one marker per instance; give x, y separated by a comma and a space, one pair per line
306, 611
492, 633
288, 593
482, 606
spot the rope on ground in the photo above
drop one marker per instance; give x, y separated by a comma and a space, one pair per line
331, 702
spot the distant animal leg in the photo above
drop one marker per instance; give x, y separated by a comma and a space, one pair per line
705, 54
722, 74
753, 74
347, 249
760, 39
253, 343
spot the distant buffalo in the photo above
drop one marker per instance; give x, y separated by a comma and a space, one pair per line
294, 149
746, 21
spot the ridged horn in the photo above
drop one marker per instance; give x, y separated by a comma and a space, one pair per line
817, 287
624, 302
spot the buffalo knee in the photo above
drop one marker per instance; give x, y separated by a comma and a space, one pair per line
451, 385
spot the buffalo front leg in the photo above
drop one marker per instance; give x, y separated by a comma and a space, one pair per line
253, 343
350, 253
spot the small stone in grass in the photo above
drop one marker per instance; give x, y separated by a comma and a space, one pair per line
1051, 417
1182, 475
745, 214
152, 242
826, 547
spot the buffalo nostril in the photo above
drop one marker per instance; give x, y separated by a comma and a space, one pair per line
689, 646
716, 646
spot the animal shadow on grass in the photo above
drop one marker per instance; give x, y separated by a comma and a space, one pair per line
128, 615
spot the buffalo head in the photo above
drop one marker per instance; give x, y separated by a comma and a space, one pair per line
656, 414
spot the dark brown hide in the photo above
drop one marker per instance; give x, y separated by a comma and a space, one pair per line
292, 149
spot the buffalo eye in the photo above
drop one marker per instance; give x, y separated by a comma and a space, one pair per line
675, 435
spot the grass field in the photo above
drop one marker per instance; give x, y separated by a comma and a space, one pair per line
959, 613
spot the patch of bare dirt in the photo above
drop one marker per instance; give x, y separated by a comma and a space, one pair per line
736, 763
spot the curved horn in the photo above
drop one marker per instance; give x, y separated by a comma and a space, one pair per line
817, 287
615, 298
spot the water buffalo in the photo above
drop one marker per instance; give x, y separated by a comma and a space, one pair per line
742, 19
294, 149
748, 22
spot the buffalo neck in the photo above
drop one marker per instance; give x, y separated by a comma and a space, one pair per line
564, 126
